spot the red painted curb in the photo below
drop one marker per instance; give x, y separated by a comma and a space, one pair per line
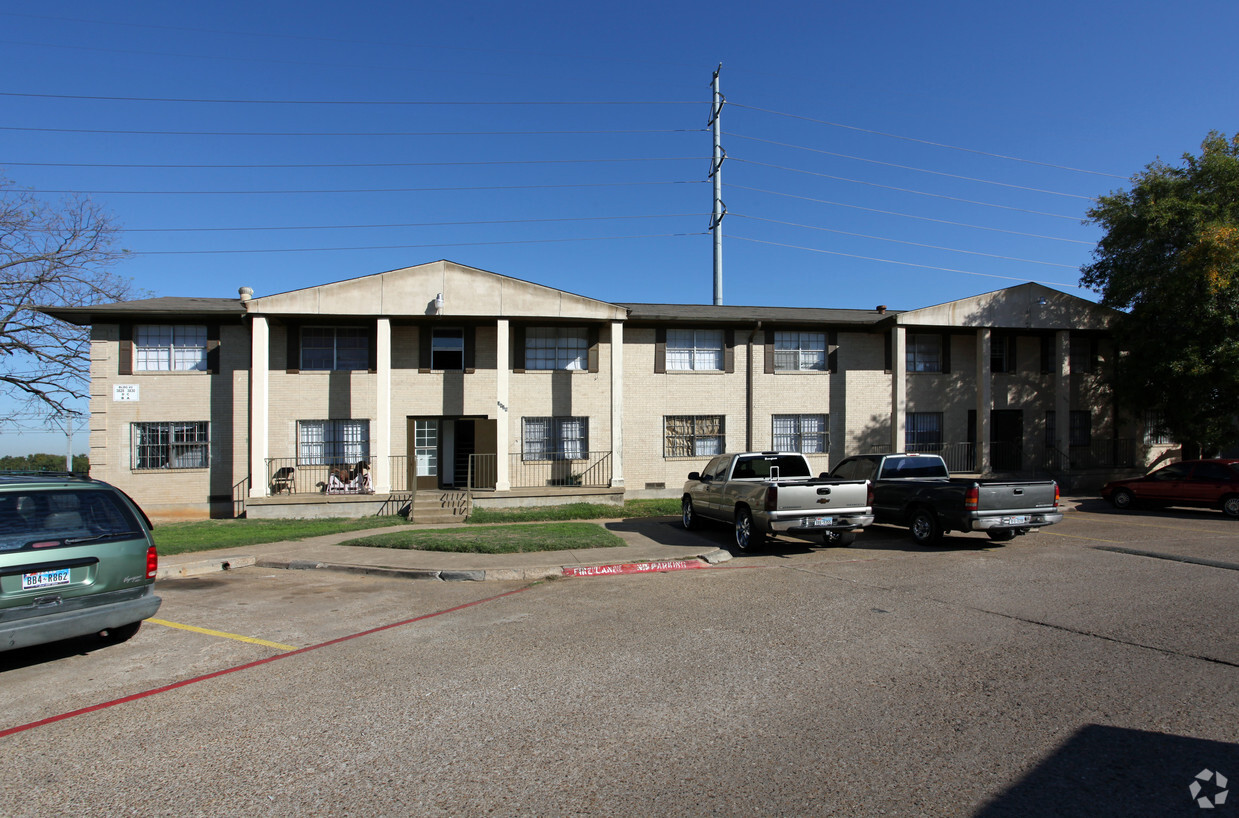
634, 568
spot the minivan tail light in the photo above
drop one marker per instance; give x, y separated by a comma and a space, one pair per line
972, 499
152, 563
772, 498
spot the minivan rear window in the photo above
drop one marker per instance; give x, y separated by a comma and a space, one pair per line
62, 517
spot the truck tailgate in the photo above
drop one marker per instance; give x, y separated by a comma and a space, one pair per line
1005, 498
822, 495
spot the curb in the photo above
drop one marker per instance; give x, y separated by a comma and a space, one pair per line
210, 566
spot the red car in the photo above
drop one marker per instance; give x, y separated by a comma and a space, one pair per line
1208, 483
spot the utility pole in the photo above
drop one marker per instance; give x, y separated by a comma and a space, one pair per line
716, 173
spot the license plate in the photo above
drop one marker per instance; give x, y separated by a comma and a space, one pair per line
1016, 520
45, 579
813, 522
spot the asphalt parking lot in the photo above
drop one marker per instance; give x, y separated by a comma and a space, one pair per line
1091, 669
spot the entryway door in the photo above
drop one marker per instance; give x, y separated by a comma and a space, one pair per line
440, 449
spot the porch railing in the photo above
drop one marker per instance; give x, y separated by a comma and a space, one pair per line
590, 470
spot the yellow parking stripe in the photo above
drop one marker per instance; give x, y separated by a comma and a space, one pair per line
209, 632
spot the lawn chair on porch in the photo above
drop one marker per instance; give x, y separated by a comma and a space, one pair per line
284, 480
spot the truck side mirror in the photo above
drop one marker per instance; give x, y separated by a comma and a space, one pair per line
694, 475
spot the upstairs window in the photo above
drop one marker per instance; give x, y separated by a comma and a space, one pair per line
800, 351
166, 348
695, 350
335, 348
556, 348
924, 353
447, 349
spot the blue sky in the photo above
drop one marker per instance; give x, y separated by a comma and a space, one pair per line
898, 153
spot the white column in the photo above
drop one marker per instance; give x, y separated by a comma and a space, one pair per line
617, 404
985, 397
380, 443
503, 362
260, 343
1062, 393
899, 389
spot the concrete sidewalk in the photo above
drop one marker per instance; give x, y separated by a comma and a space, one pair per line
655, 539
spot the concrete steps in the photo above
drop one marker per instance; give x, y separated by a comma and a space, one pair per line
439, 506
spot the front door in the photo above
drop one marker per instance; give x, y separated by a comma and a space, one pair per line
425, 454
1006, 439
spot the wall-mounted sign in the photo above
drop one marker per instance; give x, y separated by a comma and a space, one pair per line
124, 391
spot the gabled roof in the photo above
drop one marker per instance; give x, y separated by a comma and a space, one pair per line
1027, 306
709, 313
214, 309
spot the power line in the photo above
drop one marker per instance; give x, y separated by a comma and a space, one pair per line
907, 190
363, 190
347, 133
909, 243
409, 246
926, 141
910, 167
356, 102
404, 224
358, 164
910, 216
902, 263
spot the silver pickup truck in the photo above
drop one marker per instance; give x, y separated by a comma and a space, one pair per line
765, 493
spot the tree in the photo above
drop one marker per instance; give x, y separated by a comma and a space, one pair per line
1170, 261
51, 255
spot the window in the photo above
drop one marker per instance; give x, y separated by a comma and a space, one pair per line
799, 351
1051, 428
1083, 354
180, 445
924, 353
1155, 433
565, 438
332, 442
163, 348
447, 349
1002, 354
695, 349
335, 348
923, 432
693, 435
1081, 431
556, 348
801, 433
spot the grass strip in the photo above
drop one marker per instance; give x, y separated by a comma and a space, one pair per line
501, 539
211, 535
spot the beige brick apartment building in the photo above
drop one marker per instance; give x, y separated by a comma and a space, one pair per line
444, 378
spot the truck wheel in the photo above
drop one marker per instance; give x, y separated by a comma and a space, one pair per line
748, 536
1001, 534
688, 516
838, 539
924, 527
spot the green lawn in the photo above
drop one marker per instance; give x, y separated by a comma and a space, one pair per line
209, 535
499, 539
578, 511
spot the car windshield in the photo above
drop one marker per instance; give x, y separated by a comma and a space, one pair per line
61, 516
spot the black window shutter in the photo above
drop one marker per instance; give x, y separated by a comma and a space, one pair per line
374, 347
1047, 354
729, 350
888, 352
124, 353
517, 340
293, 364
660, 349
832, 351
946, 352
593, 348
423, 348
471, 348
213, 348
769, 351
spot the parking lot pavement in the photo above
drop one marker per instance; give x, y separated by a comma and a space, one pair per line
1043, 676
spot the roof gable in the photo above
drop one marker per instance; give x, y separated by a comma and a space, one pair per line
1028, 306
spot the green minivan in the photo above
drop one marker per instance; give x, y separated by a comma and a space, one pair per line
76, 558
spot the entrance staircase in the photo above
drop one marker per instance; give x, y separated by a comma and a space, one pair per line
436, 506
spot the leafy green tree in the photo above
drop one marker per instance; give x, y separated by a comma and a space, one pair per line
1170, 260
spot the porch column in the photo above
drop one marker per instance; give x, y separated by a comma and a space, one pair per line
380, 452
260, 342
899, 389
1062, 394
985, 398
503, 363
617, 404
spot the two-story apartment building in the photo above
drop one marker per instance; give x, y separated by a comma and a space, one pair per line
442, 377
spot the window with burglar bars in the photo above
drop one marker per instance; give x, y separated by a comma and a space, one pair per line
799, 351
693, 435
923, 431
177, 445
335, 348
1081, 430
556, 348
165, 348
565, 438
801, 433
924, 353
695, 349
1155, 433
332, 442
